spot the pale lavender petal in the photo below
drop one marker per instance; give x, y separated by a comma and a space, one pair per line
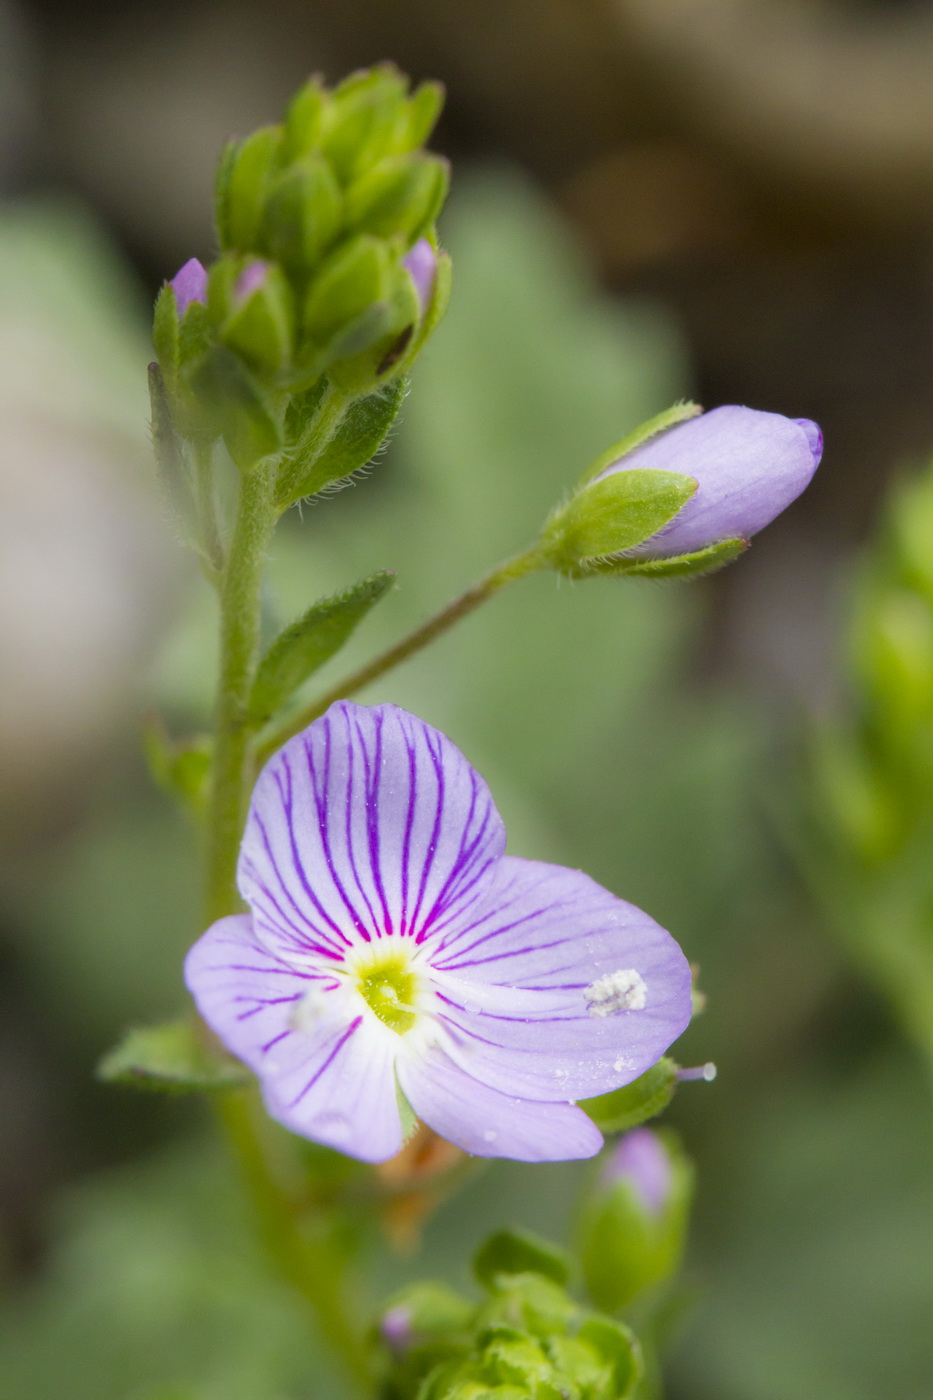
641, 1158
369, 824
749, 466
516, 978
487, 1123
328, 1076
189, 284
422, 264
250, 280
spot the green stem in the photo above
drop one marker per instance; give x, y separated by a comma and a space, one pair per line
206, 505
435, 626
312, 1266
239, 647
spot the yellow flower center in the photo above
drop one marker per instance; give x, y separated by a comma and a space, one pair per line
390, 988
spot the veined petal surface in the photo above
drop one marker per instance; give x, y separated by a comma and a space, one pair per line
513, 979
368, 825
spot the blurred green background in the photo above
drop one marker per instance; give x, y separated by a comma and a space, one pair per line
652, 199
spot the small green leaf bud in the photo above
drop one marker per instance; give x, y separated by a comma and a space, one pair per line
243, 178
368, 110
304, 121
355, 277
634, 1226
401, 195
261, 324
302, 215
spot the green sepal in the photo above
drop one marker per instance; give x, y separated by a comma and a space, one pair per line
440, 297
617, 1345
172, 1058
362, 431
261, 328
304, 120
401, 195
181, 768
302, 215
367, 111
304, 647
678, 413
422, 111
634, 1103
611, 515
170, 455
166, 332
243, 179
356, 276
519, 1252
701, 561
236, 406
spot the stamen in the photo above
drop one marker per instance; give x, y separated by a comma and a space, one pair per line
624, 990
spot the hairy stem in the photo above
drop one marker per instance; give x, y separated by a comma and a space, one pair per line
239, 646
435, 626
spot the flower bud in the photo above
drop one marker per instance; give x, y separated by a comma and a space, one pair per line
189, 284
301, 215
748, 466
401, 195
634, 1225
421, 263
261, 323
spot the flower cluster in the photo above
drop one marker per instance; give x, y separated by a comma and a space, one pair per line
395, 960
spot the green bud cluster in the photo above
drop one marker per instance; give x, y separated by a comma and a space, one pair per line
315, 219
526, 1340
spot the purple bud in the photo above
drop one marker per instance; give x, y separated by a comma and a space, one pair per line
250, 280
395, 1328
422, 264
641, 1159
189, 284
748, 466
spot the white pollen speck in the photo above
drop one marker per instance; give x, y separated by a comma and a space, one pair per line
490, 1135
621, 1064
624, 990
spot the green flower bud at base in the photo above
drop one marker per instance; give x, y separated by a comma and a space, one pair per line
633, 1228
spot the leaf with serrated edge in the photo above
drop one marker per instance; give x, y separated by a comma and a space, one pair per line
634, 1103
172, 1058
301, 649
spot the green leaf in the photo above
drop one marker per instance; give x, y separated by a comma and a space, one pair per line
173, 1058
365, 426
634, 1103
678, 413
304, 647
702, 561
613, 514
519, 1252
619, 1346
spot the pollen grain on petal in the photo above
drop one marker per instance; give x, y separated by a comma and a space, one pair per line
624, 990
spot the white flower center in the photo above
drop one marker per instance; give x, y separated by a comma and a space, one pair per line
624, 990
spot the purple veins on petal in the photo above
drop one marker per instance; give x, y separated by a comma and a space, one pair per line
189, 284
391, 942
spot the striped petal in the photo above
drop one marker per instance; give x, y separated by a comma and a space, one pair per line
328, 1074
487, 1123
368, 825
555, 988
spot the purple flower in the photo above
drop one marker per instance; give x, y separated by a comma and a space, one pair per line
189, 284
422, 264
392, 945
748, 466
641, 1159
395, 1328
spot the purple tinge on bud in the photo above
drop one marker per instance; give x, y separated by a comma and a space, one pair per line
395, 1328
422, 264
189, 284
748, 465
250, 280
641, 1159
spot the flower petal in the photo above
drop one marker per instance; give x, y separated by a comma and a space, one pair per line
329, 1077
749, 466
368, 824
491, 1124
513, 982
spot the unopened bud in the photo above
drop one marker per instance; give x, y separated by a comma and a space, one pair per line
189, 284
421, 263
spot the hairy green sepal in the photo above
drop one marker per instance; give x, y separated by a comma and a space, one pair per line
652, 427
612, 515
634, 1103
307, 467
